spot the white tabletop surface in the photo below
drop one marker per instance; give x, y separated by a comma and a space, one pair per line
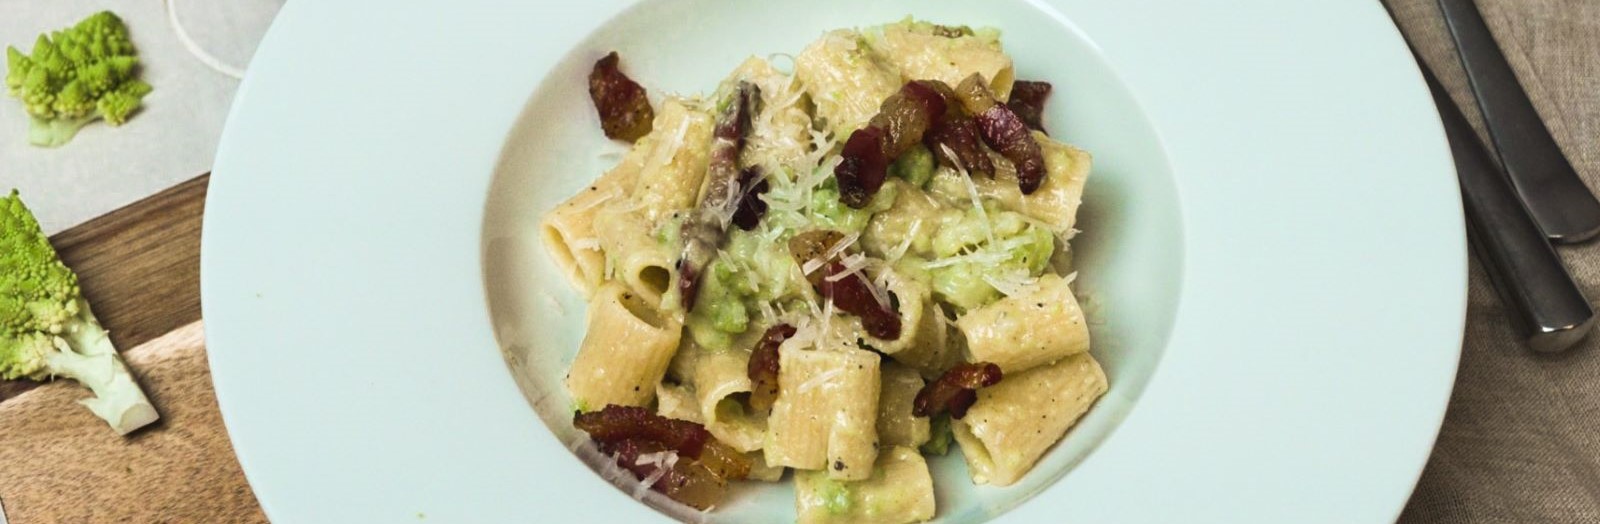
171, 140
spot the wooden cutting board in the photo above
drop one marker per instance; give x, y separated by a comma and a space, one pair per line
139, 266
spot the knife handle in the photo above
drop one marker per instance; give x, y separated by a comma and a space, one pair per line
1550, 310
1563, 207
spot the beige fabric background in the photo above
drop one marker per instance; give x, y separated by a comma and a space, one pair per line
1521, 441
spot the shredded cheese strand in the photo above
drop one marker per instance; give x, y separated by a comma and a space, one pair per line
843, 244
900, 251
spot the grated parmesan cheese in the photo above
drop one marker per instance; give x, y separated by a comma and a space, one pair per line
767, 313
611, 192
627, 206
611, 471
852, 264
880, 295
665, 152
811, 266
819, 380
827, 321
646, 482
662, 460
843, 244
900, 251
972, 193
980, 257
1008, 283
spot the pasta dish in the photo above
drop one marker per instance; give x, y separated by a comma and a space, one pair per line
832, 265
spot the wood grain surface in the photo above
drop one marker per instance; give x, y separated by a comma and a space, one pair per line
139, 266
58, 463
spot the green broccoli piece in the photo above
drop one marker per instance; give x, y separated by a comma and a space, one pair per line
915, 166
47, 330
75, 76
940, 436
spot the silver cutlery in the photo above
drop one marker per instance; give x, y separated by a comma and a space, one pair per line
1564, 208
1551, 312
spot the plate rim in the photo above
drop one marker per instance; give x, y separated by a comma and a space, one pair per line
229, 310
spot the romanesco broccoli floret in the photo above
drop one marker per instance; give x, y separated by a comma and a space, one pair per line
47, 330
75, 76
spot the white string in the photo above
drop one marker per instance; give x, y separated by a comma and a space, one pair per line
194, 49
2, 512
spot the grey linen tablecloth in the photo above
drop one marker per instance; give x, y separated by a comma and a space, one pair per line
1521, 440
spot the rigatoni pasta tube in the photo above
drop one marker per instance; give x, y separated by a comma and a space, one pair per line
672, 173
1040, 325
826, 413
911, 297
568, 235
938, 346
1055, 203
900, 490
1014, 422
722, 387
635, 255
780, 131
845, 79
677, 402
896, 425
625, 351
568, 230
921, 53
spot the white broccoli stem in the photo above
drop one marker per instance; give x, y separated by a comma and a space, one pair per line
87, 356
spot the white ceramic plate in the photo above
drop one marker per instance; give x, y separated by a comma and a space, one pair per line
1273, 234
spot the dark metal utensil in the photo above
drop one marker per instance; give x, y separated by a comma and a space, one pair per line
1560, 203
1551, 311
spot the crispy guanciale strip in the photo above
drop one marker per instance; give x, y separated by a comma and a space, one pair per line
902, 120
684, 480
703, 230
752, 185
725, 461
763, 368
852, 293
1027, 101
955, 390
813, 245
863, 167
907, 114
625, 112
1004, 131
958, 134
617, 423
690, 440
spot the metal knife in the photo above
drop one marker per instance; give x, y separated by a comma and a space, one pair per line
1560, 203
1551, 312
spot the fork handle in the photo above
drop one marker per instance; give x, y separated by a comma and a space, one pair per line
1560, 203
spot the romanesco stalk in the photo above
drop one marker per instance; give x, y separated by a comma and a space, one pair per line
47, 329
